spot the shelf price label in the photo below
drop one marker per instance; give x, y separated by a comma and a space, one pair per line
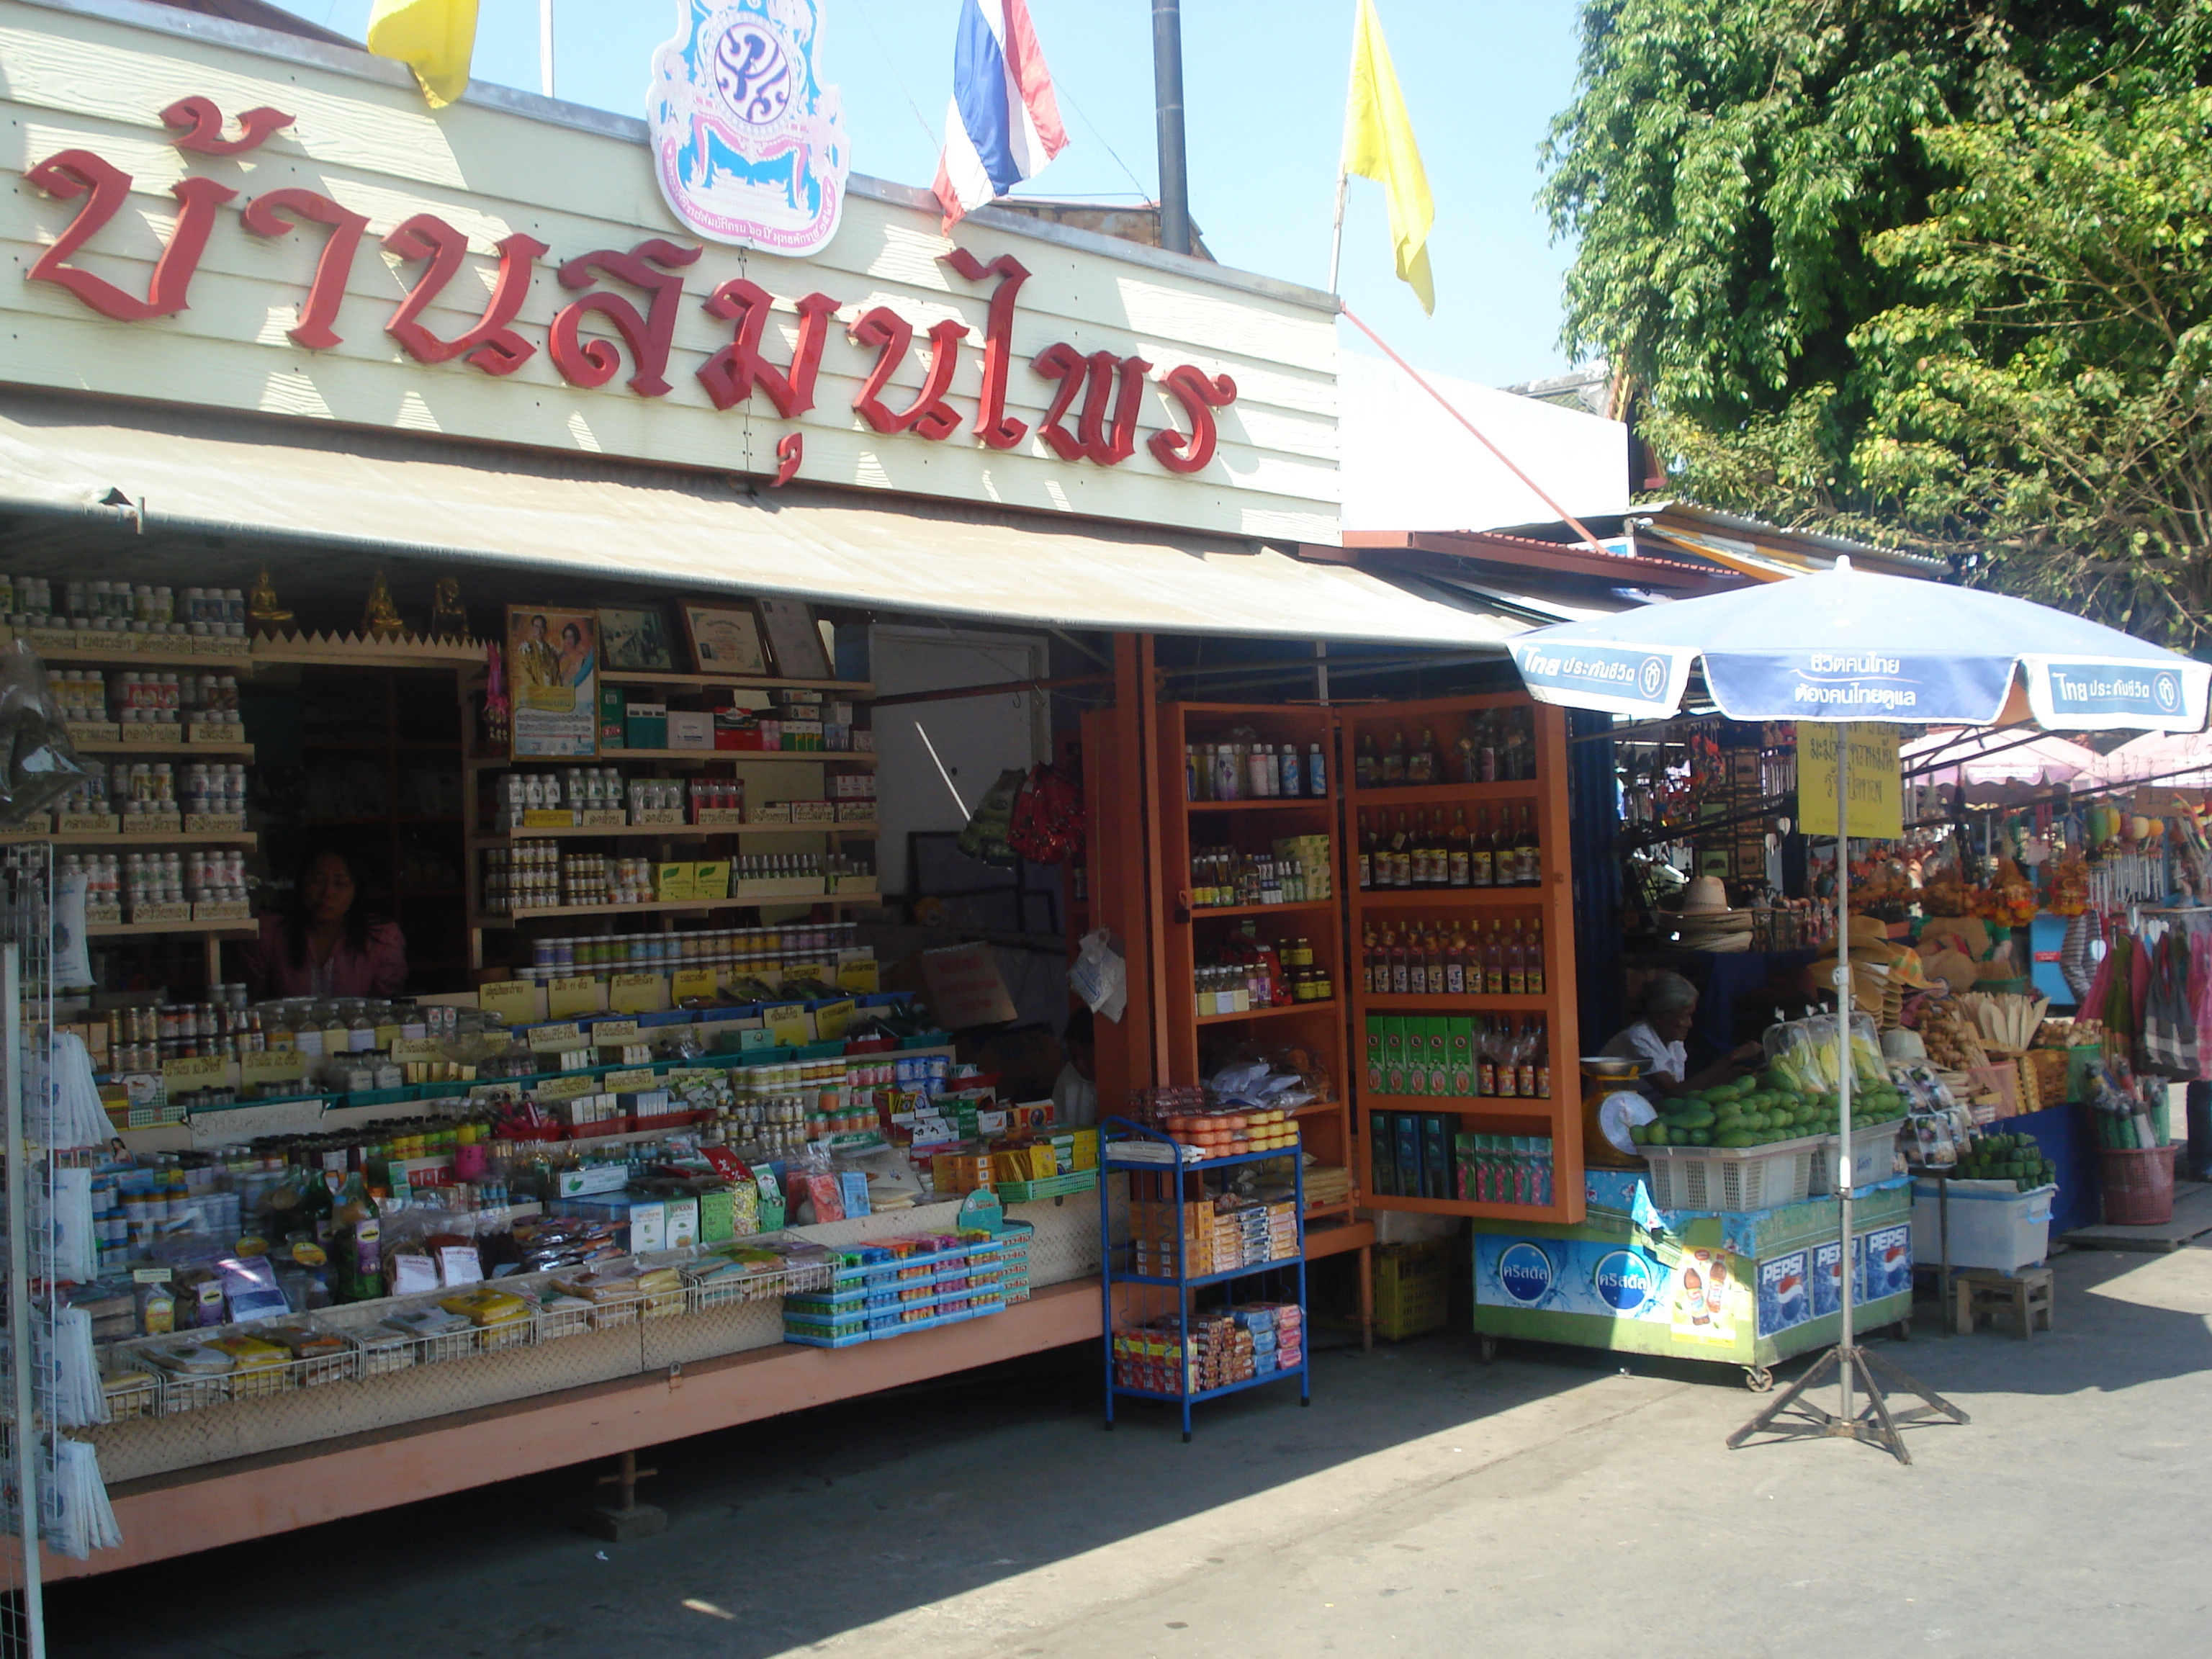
582, 994
692, 982
197, 1072
831, 1020
407, 1048
281, 1066
516, 1001
791, 1027
637, 993
605, 1031
554, 1039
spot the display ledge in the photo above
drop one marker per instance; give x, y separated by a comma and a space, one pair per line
1505, 1002
149, 929
180, 748
1470, 1105
1154, 1165
1193, 1281
118, 838
1287, 1374
1549, 1212
501, 758
1316, 1108
1428, 795
1337, 1238
1274, 803
857, 690
1374, 896
1326, 1004
1200, 912
662, 906
667, 832
236, 664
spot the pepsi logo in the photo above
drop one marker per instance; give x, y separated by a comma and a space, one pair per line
1623, 1281
1524, 1272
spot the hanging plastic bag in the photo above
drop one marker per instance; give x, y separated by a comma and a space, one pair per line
75, 1116
984, 839
1048, 824
38, 766
1099, 976
72, 955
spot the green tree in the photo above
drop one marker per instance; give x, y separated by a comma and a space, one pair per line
1728, 167
2042, 400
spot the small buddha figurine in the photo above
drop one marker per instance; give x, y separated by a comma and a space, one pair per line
261, 604
447, 619
379, 617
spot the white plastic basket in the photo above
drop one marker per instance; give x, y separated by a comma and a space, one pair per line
1732, 1178
1875, 1141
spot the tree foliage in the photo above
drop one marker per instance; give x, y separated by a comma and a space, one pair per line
1924, 265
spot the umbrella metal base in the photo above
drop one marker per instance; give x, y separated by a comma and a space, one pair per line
1876, 1427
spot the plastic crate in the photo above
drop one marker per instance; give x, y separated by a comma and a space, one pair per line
1413, 1289
1059, 1186
1867, 1141
1714, 1178
1992, 1225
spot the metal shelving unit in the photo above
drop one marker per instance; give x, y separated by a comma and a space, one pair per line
1184, 1182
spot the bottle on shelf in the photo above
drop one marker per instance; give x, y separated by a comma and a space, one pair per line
1516, 962
1493, 963
1432, 961
1401, 970
1394, 762
1401, 854
1486, 748
1421, 764
1535, 967
1371, 853
1366, 769
1316, 773
1482, 852
1527, 859
1459, 858
1464, 767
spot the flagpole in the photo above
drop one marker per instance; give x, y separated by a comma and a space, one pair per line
545, 47
1336, 236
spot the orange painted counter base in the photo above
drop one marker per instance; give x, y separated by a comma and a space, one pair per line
249, 1498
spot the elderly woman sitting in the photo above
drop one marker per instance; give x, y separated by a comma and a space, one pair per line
1670, 1006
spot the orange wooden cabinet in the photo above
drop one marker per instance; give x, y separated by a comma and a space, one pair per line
1418, 1044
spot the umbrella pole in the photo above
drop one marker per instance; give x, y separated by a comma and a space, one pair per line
1876, 1426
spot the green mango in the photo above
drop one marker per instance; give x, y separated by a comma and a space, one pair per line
1701, 1137
1734, 1137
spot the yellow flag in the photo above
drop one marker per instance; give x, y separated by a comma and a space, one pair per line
1378, 145
433, 38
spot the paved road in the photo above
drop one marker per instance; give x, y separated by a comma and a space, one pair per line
1425, 1504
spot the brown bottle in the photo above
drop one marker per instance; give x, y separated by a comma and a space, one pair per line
1493, 963
1482, 852
1459, 867
1421, 764
1535, 966
1370, 847
1516, 962
1401, 854
1455, 963
1432, 961
1527, 859
1402, 967
1394, 762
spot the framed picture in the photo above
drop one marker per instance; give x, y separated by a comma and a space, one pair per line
725, 639
635, 637
553, 682
795, 639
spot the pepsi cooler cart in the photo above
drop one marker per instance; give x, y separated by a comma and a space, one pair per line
1750, 1289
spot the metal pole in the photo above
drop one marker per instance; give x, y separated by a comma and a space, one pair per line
1845, 1004
1336, 235
1167, 97
18, 1300
545, 47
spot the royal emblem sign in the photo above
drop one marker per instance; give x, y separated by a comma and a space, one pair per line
747, 143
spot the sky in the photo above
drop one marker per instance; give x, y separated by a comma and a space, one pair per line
1264, 84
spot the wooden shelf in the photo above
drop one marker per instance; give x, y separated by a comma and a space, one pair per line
1272, 803
151, 929
1465, 1002
1550, 1106
170, 750
859, 690
1199, 912
117, 838
500, 759
240, 666
1330, 1006
1548, 1212
1470, 897
1318, 1108
1336, 1239
668, 907
674, 832
1410, 795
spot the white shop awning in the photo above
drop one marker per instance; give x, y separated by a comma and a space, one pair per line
400, 494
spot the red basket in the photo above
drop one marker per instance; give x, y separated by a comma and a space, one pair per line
2138, 1186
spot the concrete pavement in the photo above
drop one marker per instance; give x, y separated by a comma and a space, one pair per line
1425, 1504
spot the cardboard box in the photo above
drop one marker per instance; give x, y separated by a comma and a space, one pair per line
963, 987
613, 718
645, 726
710, 879
675, 880
690, 728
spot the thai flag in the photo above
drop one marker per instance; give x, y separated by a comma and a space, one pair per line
1003, 124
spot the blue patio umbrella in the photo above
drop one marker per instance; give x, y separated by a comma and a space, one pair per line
1846, 645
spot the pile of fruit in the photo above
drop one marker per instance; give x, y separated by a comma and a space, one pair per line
1758, 1111
2016, 1158
1231, 1134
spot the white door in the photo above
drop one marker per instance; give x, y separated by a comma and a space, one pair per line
936, 759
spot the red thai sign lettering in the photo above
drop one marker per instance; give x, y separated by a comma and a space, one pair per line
651, 265
1110, 386
928, 414
491, 345
731, 374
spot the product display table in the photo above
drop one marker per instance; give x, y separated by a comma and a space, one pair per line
1750, 1289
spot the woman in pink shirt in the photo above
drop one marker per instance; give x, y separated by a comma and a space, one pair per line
323, 944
